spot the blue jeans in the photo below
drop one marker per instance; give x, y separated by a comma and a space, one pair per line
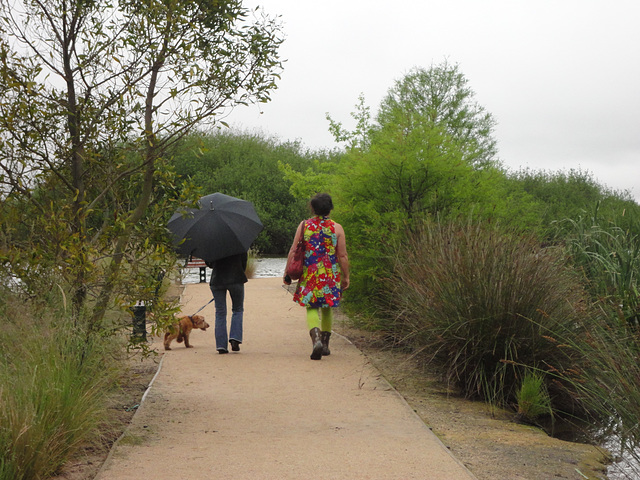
236, 291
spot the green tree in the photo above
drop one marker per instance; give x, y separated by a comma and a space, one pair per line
94, 96
424, 153
440, 97
360, 136
430, 152
247, 166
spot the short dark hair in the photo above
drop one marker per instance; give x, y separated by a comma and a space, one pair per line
321, 204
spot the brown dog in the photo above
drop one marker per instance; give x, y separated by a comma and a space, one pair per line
182, 328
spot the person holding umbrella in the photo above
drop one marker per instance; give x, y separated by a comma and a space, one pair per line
220, 231
325, 271
228, 275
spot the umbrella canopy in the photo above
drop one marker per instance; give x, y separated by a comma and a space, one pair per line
222, 226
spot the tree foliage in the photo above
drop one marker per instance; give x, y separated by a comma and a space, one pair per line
94, 97
426, 148
574, 194
430, 152
247, 166
440, 98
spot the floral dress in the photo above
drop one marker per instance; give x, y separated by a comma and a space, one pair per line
319, 285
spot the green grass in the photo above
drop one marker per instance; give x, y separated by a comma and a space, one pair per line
609, 381
53, 386
533, 398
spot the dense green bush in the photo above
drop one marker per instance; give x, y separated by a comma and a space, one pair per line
572, 194
248, 166
484, 304
533, 398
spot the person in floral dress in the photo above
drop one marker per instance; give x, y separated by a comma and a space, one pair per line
325, 272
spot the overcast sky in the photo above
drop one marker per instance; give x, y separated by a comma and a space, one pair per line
561, 77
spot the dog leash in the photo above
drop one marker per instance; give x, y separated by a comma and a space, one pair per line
202, 307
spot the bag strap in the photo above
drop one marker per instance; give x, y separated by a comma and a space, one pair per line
301, 227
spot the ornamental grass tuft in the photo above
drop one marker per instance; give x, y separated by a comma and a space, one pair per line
52, 389
483, 304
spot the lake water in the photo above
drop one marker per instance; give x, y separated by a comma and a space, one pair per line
266, 267
626, 466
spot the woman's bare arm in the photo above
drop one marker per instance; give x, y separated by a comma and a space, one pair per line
343, 258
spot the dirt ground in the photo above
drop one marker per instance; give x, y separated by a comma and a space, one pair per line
488, 443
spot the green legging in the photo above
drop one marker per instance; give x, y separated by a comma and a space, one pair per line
313, 318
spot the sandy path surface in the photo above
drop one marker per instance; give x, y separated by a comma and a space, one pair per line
269, 412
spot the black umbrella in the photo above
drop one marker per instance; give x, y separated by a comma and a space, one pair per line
221, 227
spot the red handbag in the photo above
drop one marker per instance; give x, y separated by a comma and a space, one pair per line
297, 262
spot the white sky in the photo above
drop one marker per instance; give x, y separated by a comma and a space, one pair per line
561, 77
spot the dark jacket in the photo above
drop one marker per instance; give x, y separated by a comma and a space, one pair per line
228, 271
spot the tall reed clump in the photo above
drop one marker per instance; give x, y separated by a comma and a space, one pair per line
608, 385
52, 388
482, 303
609, 382
609, 256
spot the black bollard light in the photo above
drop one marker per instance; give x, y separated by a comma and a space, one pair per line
139, 332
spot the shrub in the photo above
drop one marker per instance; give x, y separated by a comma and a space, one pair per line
483, 304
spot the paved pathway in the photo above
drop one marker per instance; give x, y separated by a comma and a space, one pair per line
269, 412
